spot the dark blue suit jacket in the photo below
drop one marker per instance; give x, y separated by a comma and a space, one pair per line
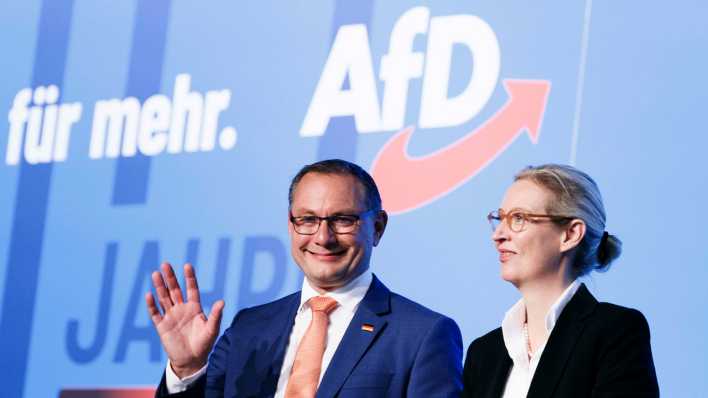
412, 352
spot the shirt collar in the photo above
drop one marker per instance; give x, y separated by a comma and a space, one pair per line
515, 317
348, 296
556, 309
512, 331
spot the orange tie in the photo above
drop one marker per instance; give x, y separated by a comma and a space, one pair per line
308, 360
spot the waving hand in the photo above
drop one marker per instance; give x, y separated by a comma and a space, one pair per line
185, 331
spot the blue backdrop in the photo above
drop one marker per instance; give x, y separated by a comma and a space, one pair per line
151, 130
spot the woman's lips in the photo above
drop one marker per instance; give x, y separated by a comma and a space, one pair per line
505, 255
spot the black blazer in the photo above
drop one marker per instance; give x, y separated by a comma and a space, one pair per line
595, 350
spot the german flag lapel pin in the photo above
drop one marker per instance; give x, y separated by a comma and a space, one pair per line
367, 327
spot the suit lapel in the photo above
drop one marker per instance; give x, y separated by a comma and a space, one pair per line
498, 372
282, 333
262, 358
561, 343
357, 338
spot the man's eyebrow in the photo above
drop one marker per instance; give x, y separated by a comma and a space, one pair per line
304, 215
345, 212
302, 212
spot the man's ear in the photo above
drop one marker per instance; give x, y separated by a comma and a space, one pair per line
380, 226
290, 225
572, 235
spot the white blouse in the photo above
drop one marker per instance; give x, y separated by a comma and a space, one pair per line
523, 368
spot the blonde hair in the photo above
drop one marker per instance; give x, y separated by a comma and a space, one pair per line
576, 195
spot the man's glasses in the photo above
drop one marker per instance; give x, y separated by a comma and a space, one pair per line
517, 219
339, 223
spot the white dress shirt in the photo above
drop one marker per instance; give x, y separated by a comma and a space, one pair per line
348, 297
523, 368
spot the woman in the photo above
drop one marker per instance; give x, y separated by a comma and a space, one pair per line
557, 340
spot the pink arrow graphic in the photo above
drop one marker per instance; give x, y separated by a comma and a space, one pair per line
407, 183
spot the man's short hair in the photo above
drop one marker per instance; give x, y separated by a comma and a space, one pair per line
344, 168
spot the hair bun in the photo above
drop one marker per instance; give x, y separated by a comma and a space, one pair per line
609, 249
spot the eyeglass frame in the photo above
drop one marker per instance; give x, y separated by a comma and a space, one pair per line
501, 215
330, 225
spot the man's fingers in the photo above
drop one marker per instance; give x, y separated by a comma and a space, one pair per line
153, 311
163, 295
191, 282
172, 284
217, 310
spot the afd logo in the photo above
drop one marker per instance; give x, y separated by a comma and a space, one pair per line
407, 182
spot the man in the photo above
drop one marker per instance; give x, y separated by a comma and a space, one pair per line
343, 335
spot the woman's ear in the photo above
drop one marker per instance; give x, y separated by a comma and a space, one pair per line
572, 235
